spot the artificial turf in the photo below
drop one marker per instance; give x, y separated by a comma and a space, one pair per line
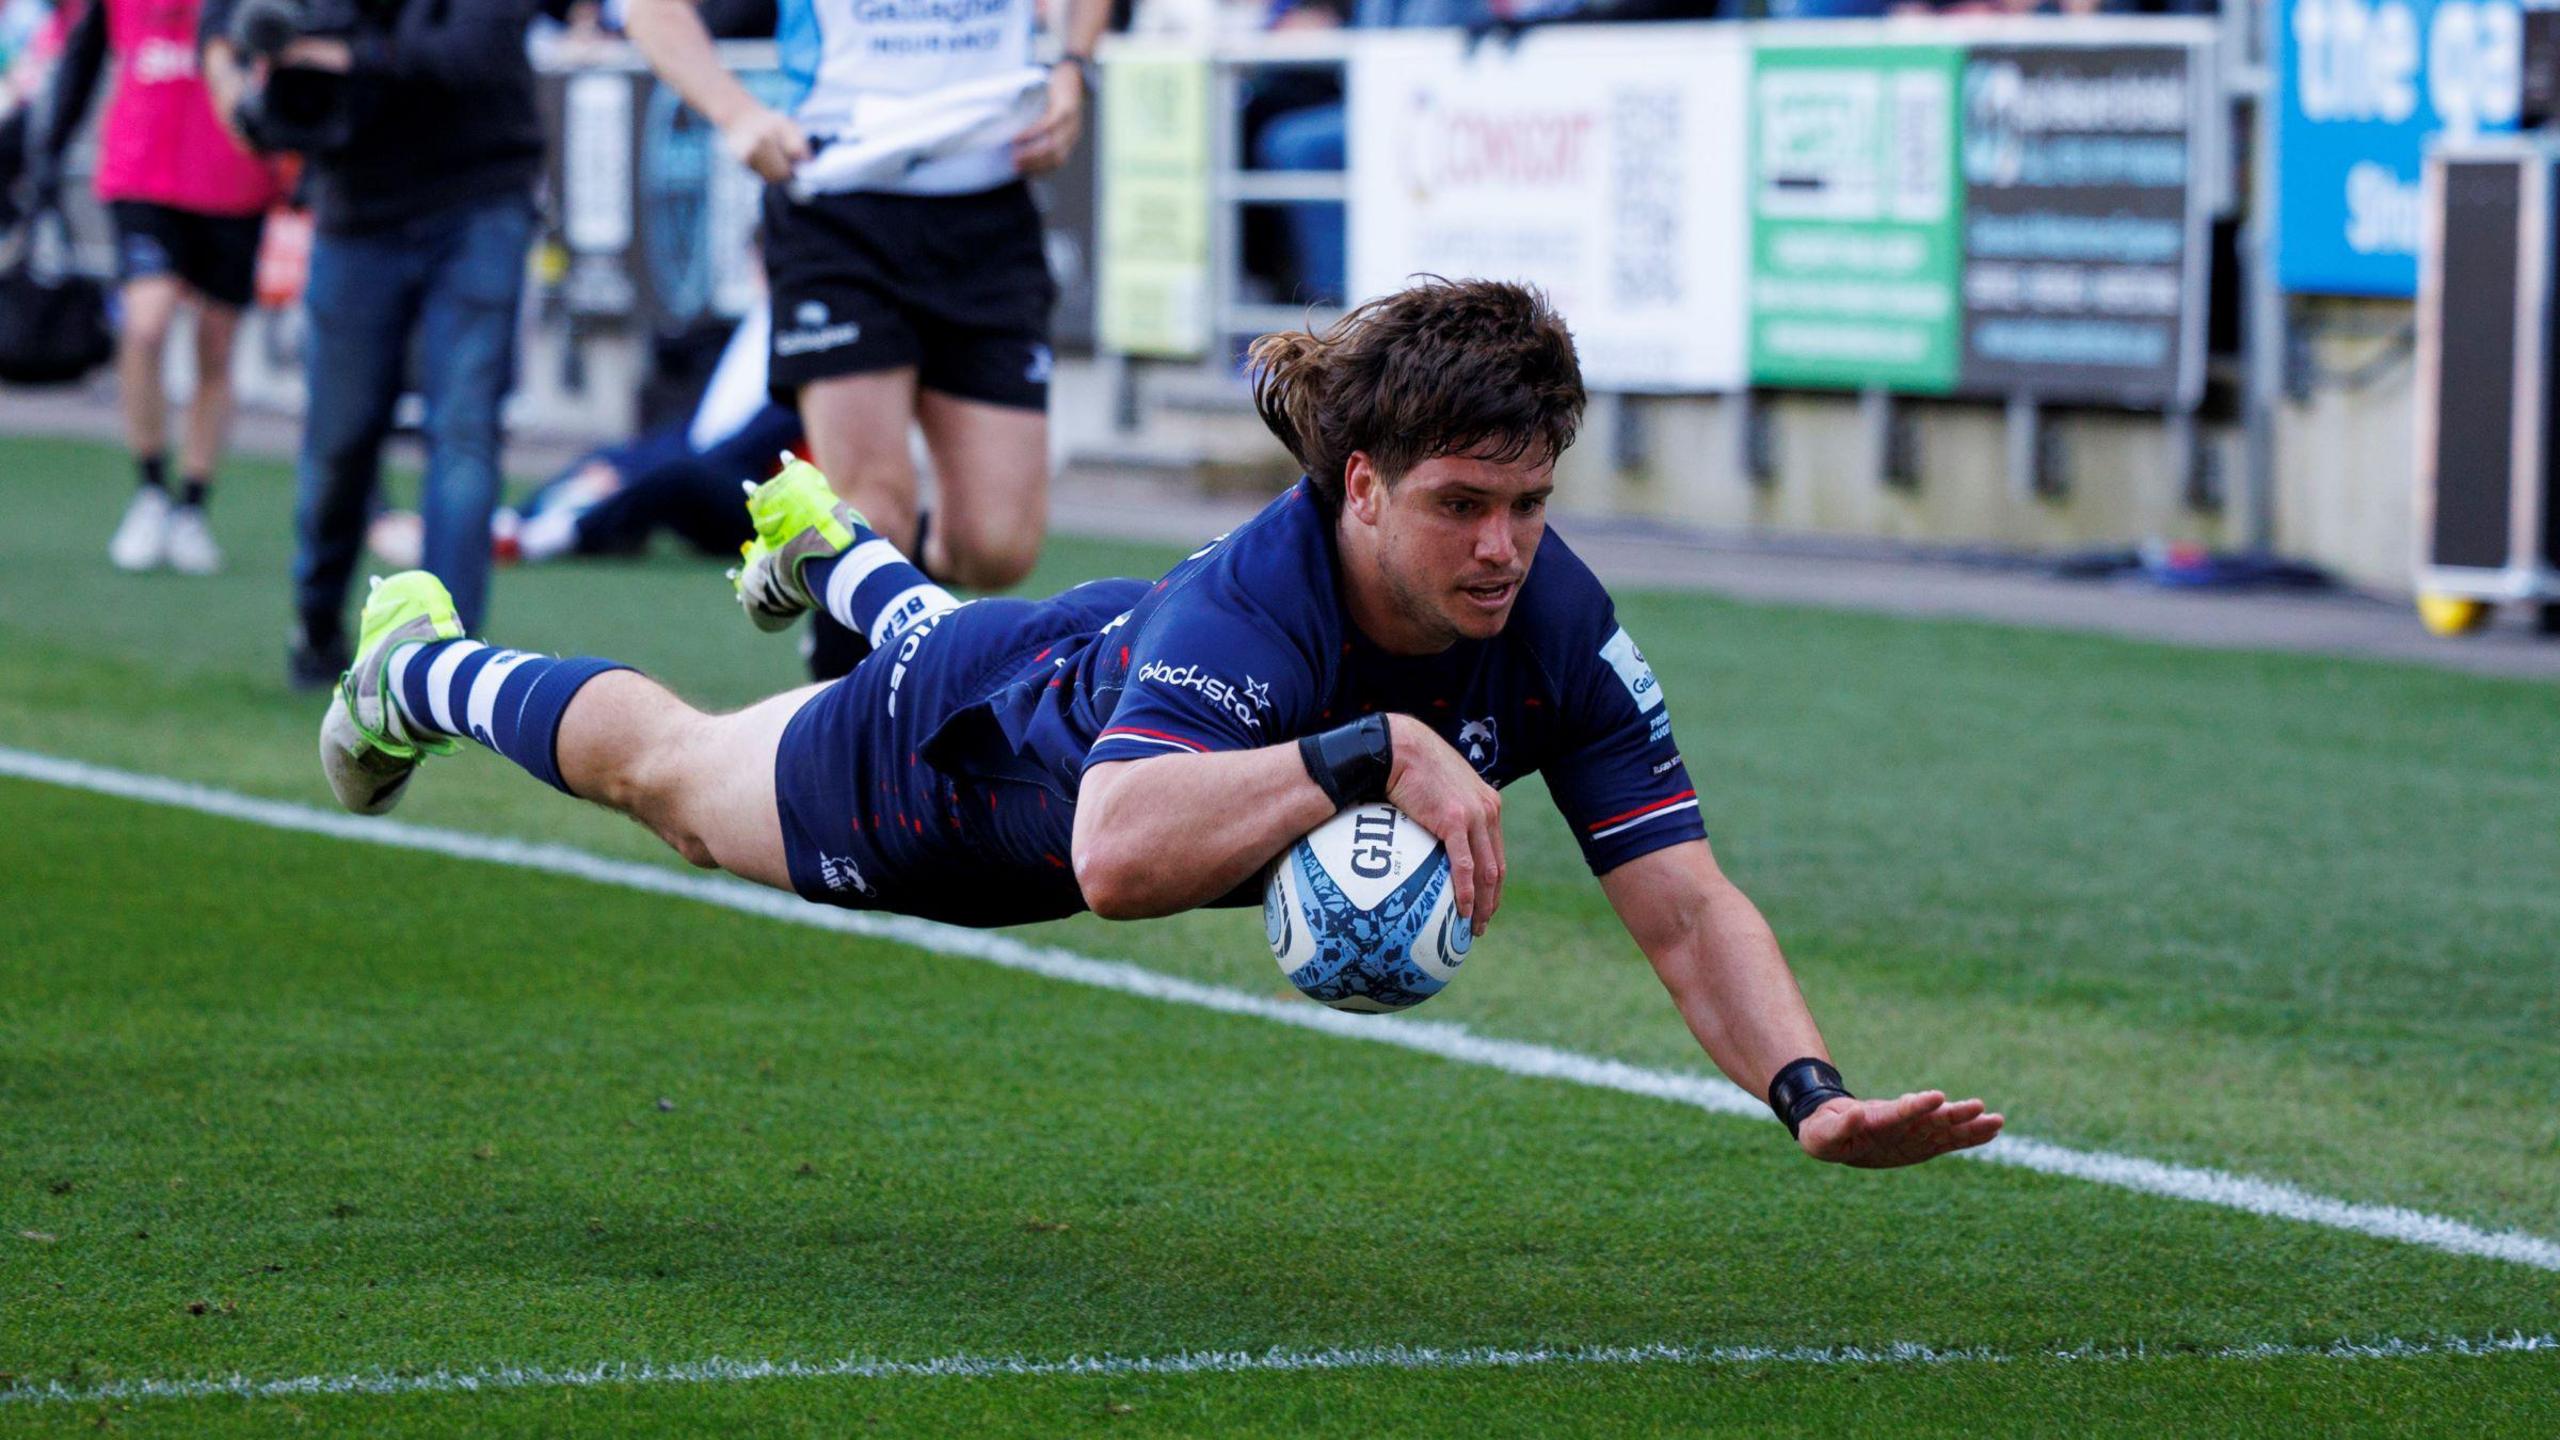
2284, 915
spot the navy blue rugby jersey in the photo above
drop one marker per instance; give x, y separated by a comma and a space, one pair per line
1246, 644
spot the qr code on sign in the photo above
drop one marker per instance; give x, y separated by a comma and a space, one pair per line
1922, 167
1647, 178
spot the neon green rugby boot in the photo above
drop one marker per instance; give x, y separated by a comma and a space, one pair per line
366, 749
797, 519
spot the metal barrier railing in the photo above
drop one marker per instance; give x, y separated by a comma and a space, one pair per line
1235, 186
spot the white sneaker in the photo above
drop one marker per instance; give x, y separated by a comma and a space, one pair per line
191, 547
397, 538
141, 540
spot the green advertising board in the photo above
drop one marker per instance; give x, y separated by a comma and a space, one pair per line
1154, 263
1856, 206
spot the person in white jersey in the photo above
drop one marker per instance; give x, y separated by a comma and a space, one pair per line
908, 282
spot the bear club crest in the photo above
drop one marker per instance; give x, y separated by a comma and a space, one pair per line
1477, 741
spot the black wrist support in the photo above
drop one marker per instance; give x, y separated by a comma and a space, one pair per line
1800, 1089
1350, 763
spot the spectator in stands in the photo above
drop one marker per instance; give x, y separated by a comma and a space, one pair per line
1833, 9
31, 33
2042, 7
423, 211
188, 200
1294, 121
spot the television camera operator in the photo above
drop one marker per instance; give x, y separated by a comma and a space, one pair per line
421, 142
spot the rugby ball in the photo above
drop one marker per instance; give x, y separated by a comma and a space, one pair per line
1360, 913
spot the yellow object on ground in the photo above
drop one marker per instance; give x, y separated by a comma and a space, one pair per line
2451, 614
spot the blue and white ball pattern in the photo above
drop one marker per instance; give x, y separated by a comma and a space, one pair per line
1360, 913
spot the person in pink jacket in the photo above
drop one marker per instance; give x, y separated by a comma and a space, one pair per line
188, 200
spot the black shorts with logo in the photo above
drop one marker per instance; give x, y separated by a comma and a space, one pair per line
955, 285
216, 255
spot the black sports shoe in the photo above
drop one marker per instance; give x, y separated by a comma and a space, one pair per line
315, 664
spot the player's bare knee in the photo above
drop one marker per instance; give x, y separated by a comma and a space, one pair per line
646, 781
695, 850
683, 779
656, 802
888, 474
883, 488
984, 561
145, 337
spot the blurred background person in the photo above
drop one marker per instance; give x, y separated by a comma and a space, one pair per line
423, 141
31, 34
909, 283
1293, 120
682, 477
187, 199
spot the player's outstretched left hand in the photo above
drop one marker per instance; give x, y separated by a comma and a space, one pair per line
1045, 146
1881, 1134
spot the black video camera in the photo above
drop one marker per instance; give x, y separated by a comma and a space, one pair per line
298, 107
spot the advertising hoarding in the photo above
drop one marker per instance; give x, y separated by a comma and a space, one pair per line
1597, 164
1154, 227
1980, 219
2083, 273
2362, 85
1854, 210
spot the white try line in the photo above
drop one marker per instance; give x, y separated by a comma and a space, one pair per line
1440, 1038
1225, 1362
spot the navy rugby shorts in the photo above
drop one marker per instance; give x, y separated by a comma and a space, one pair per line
870, 823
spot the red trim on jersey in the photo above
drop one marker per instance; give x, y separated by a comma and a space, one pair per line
1194, 746
1643, 810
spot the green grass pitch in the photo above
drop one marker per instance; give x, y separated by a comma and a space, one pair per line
275, 1106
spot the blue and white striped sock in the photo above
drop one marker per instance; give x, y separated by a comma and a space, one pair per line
875, 591
508, 700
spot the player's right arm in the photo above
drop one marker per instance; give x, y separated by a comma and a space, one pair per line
1196, 778
671, 36
1169, 834
1176, 831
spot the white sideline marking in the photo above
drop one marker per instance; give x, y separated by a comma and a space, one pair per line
1441, 1038
1219, 1362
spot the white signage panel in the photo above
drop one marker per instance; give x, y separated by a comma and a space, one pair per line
1604, 165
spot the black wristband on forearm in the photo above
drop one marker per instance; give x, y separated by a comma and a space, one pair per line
1801, 1088
1350, 763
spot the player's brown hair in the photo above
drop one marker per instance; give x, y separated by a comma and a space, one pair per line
1483, 368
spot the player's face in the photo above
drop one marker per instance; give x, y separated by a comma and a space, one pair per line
1455, 537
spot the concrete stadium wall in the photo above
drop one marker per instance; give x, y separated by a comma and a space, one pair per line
2346, 456
2120, 479
2342, 483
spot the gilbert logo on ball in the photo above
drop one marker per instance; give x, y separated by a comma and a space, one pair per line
1361, 915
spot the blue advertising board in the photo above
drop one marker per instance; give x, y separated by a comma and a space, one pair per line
2361, 86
